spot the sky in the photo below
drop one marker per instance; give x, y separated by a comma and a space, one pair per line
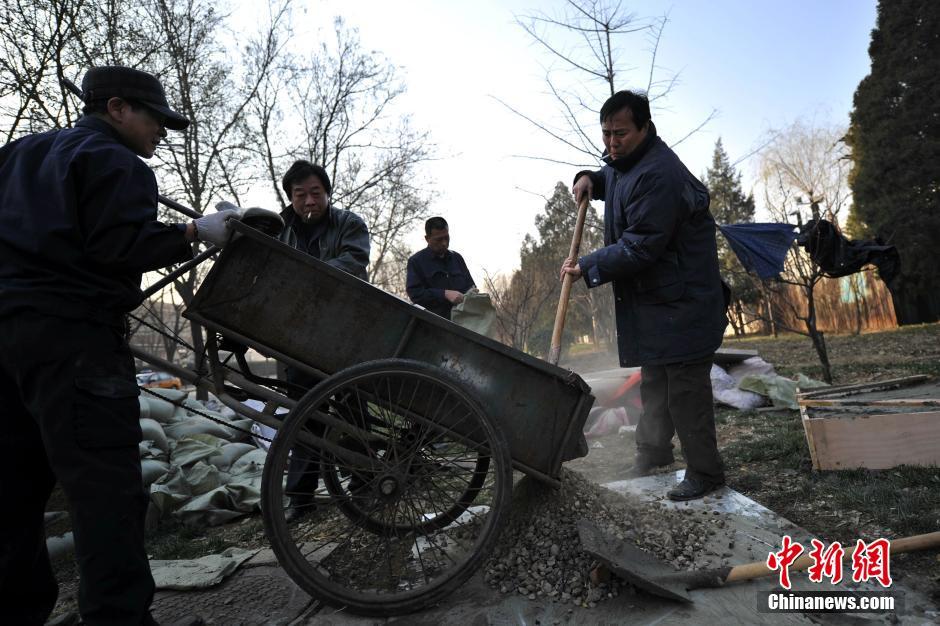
758, 65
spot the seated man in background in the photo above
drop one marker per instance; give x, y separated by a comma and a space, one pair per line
339, 238
438, 278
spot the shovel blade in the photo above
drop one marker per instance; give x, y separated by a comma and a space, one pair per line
639, 568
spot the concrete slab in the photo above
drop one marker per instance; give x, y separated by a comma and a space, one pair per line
753, 531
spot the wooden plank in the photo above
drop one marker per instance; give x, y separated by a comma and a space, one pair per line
809, 432
874, 404
874, 441
905, 381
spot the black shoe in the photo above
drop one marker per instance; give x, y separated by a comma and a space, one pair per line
692, 488
644, 467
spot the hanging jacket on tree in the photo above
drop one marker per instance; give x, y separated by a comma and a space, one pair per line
837, 256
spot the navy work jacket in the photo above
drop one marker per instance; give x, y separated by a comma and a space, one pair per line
78, 224
661, 255
429, 276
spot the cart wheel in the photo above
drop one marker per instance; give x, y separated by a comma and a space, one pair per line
355, 491
418, 480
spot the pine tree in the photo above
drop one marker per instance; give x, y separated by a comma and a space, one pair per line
590, 312
895, 142
729, 205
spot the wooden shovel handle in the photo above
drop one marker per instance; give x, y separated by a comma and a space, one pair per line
905, 544
555, 352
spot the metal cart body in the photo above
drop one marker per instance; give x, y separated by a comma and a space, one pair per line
415, 495
290, 306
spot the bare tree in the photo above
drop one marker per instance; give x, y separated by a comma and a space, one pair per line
804, 174
185, 43
588, 39
519, 300
342, 98
42, 42
158, 325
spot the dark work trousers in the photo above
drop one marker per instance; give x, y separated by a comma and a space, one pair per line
677, 399
303, 471
70, 413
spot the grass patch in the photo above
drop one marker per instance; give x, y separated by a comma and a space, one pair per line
776, 438
904, 499
769, 460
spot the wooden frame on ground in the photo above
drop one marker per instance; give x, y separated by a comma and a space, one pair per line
873, 425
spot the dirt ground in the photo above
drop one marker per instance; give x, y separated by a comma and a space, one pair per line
765, 455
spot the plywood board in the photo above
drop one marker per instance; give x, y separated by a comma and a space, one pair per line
878, 441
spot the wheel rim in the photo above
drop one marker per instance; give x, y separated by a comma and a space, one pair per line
413, 514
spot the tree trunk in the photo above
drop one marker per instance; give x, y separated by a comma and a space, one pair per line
734, 318
739, 313
819, 340
199, 347
857, 293
768, 302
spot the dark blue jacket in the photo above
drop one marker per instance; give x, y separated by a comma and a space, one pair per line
78, 224
661, 255
429, 276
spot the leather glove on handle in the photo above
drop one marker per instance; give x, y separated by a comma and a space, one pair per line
215, 228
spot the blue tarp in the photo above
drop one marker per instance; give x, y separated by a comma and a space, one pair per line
761, 248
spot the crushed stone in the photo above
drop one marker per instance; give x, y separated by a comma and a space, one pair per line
539, 554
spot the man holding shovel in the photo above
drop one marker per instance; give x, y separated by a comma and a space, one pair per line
78, 227
661, 256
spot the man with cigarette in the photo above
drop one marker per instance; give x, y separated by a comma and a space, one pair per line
339, 238
311, 224
661, 256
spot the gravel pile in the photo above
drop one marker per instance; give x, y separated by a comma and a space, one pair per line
539, 554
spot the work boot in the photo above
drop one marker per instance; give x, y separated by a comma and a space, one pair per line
692, 488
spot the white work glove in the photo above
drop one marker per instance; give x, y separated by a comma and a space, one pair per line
215, 228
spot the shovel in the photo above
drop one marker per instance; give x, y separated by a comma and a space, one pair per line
555, 351
646, 572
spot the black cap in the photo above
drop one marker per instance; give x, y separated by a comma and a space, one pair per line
109, 81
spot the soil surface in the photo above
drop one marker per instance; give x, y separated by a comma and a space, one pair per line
765, 455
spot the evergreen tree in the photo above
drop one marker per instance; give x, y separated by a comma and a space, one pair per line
895, 142
729, 205
590, 312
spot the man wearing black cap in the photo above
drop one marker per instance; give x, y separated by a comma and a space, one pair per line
78, 227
